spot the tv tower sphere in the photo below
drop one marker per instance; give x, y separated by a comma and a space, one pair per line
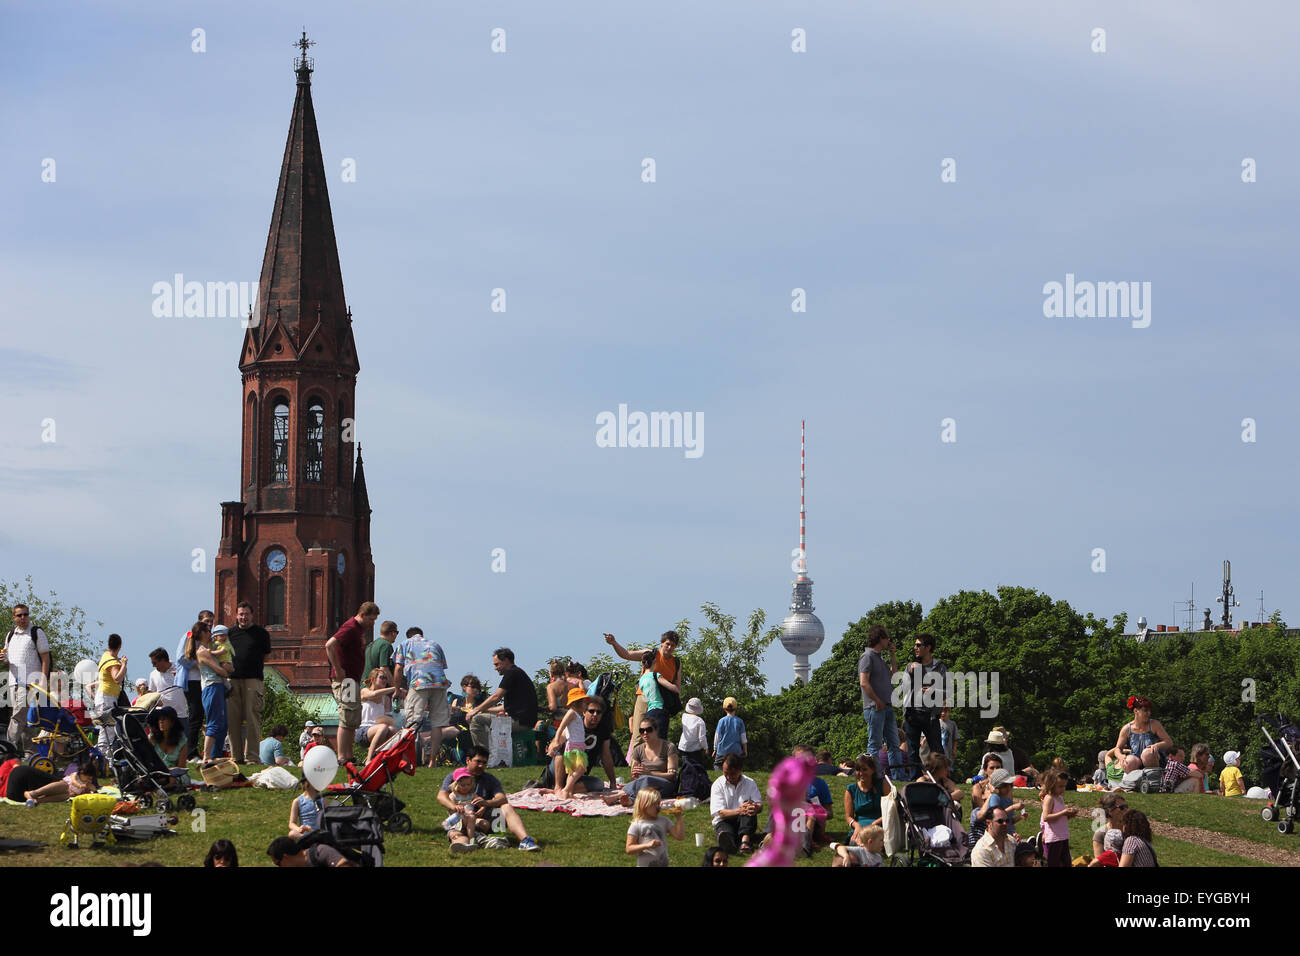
802, 632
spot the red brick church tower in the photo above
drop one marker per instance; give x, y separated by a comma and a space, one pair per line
297, 544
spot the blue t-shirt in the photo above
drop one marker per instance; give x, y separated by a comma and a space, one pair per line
649, 685
819, 792
729, 735
268, 750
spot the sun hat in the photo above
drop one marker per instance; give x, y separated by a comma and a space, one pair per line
576, 695
1231, 757
694, 706
996, 737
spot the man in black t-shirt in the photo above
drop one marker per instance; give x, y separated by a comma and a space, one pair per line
251, 644
599, 734
518, 692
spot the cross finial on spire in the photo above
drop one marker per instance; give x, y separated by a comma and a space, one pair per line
304, 63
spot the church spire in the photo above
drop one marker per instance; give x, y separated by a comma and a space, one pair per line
301, 285
360, 499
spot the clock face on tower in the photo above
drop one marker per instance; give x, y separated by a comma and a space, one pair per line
341, 564
275, 561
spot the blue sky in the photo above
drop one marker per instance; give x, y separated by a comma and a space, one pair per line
775, 171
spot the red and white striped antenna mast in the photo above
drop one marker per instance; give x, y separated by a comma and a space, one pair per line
803, 537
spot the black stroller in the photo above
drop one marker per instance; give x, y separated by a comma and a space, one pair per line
1281, 772
139, 771
355, 831
924, 806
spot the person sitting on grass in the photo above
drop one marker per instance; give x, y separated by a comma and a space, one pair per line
305, 811
648, 835
654, 761
938, 767
377, 723
734, 803
488, 795
271, 750
462, 826
1198, 772
221, 855
1109, 838
870, 853
285, 852
1175, 770
1143, 741
167, 737
1137, 849
862, 798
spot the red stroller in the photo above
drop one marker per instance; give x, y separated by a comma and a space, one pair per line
372, 786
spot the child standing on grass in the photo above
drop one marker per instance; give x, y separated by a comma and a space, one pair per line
729, 736
304, 812
647, 835
571, 736
1056, 819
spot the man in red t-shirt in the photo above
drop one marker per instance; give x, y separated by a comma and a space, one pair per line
346, 651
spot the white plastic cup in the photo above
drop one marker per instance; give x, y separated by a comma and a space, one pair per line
699, 839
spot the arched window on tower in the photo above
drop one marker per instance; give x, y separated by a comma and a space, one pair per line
275, 602
315, 442
280, 442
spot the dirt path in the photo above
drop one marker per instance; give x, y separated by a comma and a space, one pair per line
1227, 844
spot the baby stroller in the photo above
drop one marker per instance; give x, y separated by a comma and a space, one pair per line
372, 786
139, 771
353, 831
61, 735
1281, 772
924, 806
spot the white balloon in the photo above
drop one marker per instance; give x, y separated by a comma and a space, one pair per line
319, 766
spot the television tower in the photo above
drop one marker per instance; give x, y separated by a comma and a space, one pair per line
802, 632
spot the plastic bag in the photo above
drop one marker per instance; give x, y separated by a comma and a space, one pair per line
274, 778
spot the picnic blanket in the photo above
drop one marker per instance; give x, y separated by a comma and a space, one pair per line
581, 805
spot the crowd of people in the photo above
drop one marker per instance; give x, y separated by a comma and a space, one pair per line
210, 700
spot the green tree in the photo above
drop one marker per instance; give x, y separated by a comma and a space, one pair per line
64, 626
1059, 672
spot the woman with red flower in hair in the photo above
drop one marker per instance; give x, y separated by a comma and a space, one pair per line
1143, 742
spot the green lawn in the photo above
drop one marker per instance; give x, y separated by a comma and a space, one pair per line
252, 818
